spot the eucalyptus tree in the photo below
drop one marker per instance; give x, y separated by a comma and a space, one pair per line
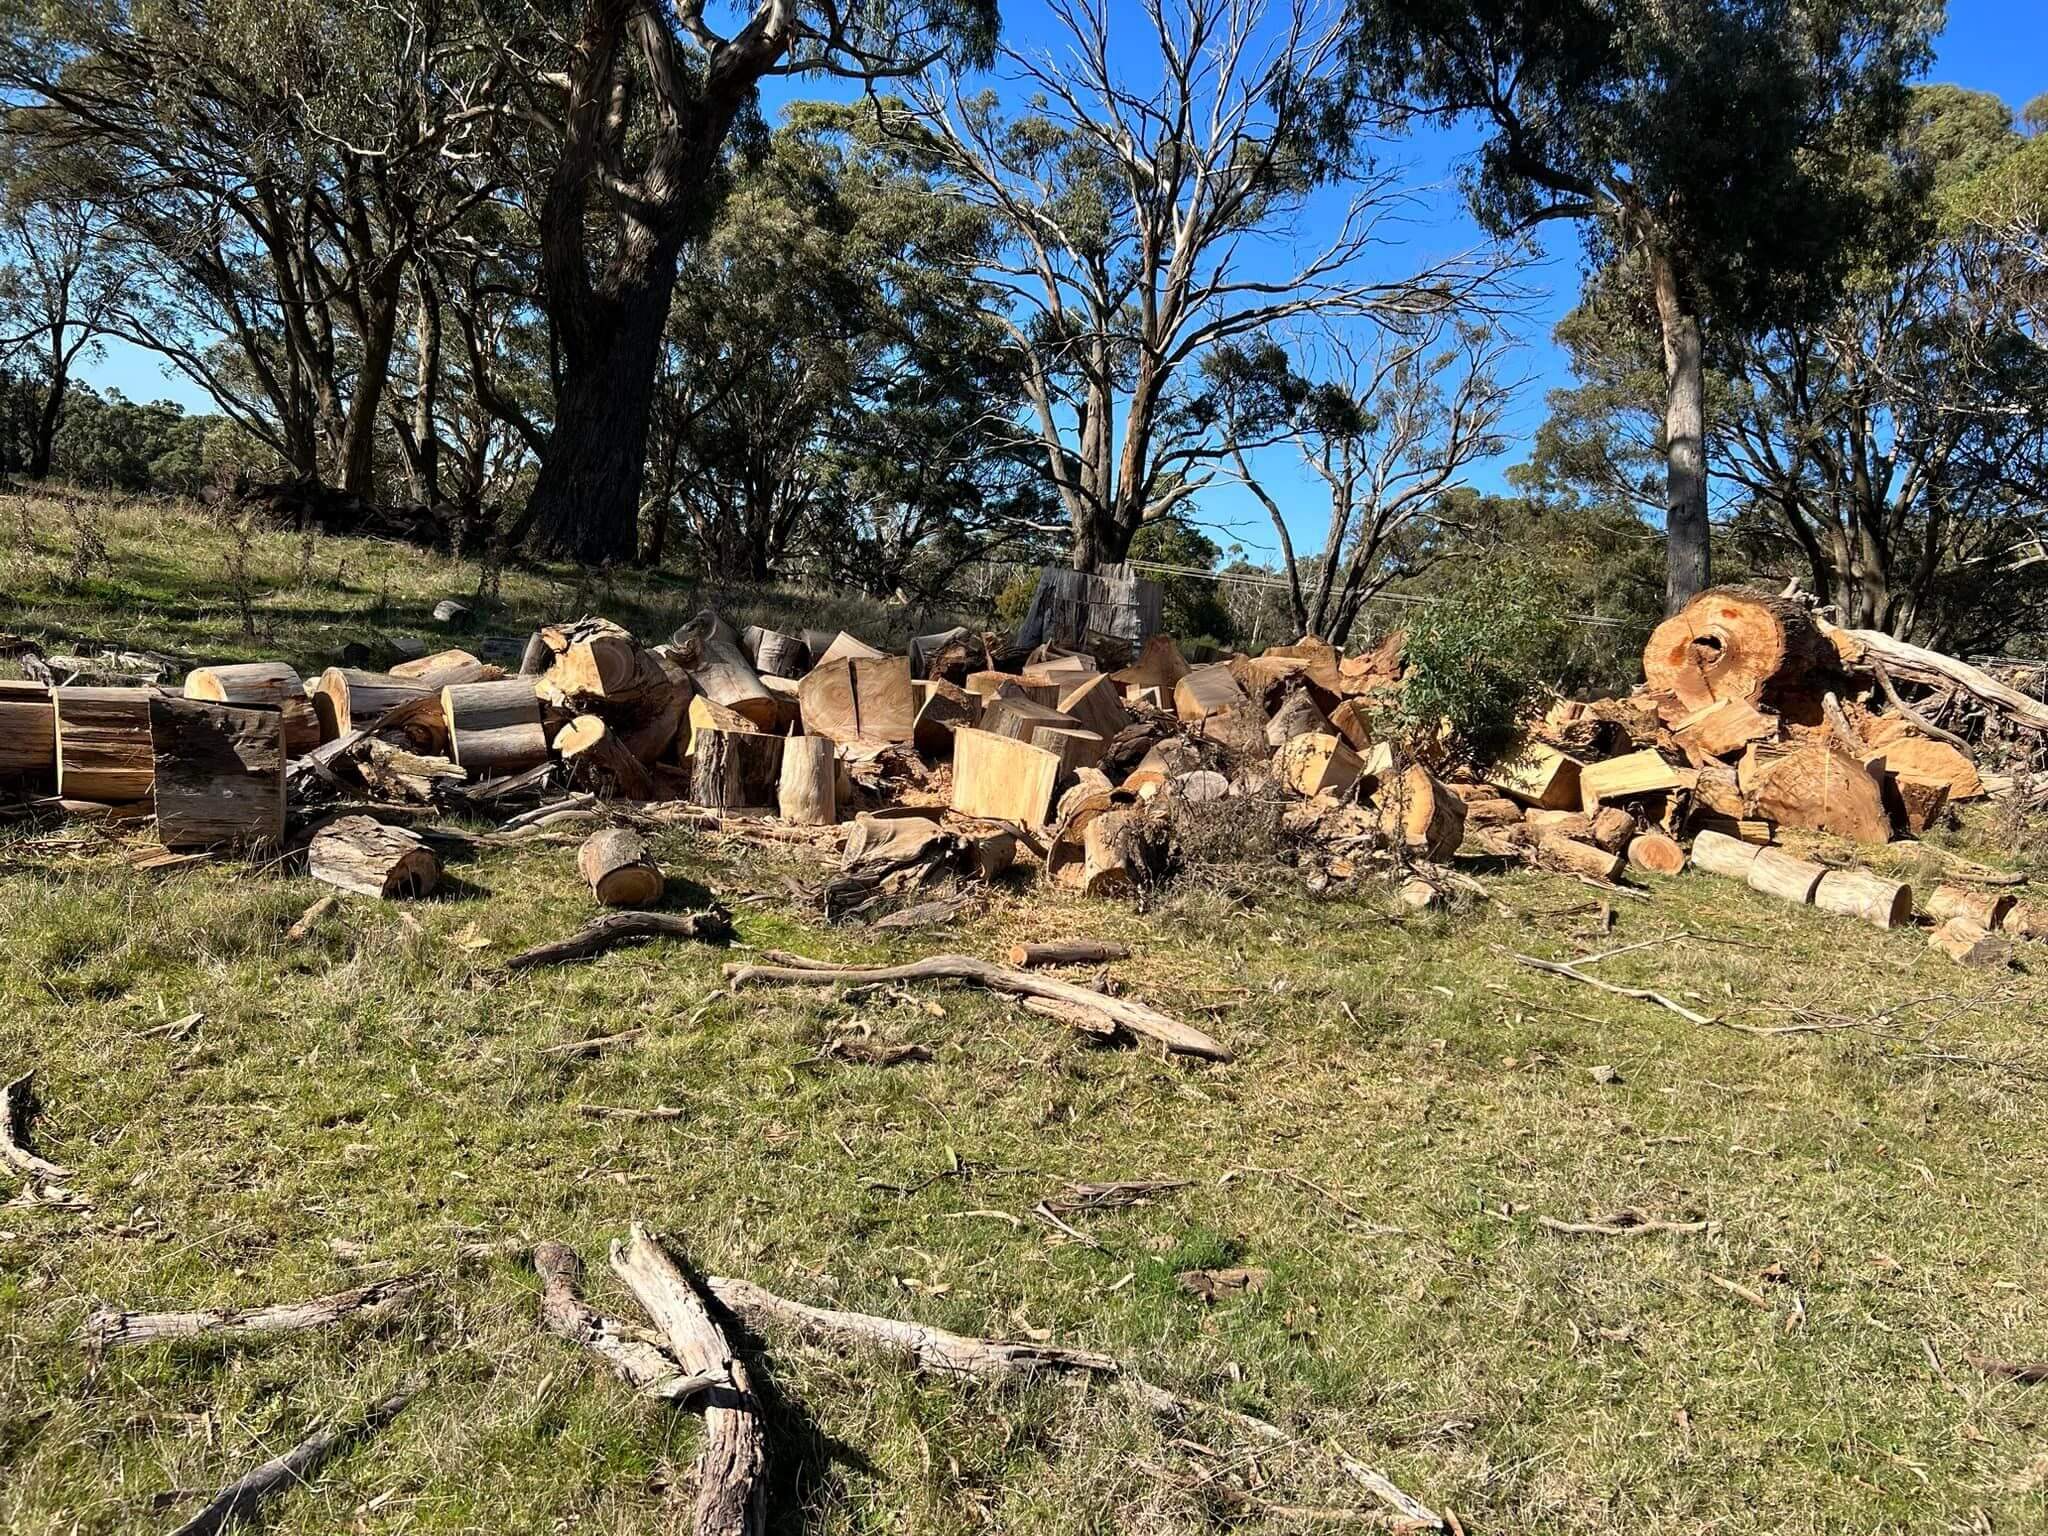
1148, 215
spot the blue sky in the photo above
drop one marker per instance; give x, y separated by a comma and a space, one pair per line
1999, 46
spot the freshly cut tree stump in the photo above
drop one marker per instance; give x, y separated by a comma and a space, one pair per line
599, 761
618, 868
1719, 854
1777, 873
105, 750
1067, 952
361, 854
1002, 779
1556, 851
265, 684
219, 774
806, 795
736, 770
1421, 812
28, 732
1654, 853
1731, 644
1867, 897
494, 728
1987, 909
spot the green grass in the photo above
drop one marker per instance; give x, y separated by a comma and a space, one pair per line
1405, 1103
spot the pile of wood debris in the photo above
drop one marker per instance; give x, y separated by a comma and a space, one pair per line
954, 758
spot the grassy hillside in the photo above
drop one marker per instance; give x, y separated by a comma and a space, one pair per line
1864, 1127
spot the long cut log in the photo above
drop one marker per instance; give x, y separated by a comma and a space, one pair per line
1775, 872
1123, 1012
1067, 952
1860, 894
1934, 670
105, 750
1719, 854
1987, 909
734, 1458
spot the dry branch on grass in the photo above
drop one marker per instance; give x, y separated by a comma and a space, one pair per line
615, 928
2028, 1373
1623, 1223
112, 1328
15, 1099
1118, 1012
240, 1499
1572, 973
634, 1356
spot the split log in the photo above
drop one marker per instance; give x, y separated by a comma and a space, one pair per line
1867, 897
242, 1498
844, 647
1569, 856
947, 708
1094, 703
1241, 732
1075, 748
1421, 813
348, 699
1987, 909
1724, 727
1009, 713
1897, 658
1775, 872
1000, 779
1067, 952
987, 686
1967, 944
704, 715
1540, 776
859, 699
649, 729
604, 666
263, 685
633, 1354
1916, 757
28, 732
105, 748
731, 1465
1728, 643
1822, 788
1121, 1012
1351, 721
1296, 716
1313, 764
114, 1328
605, 933
618, 868
219, 772
1159, 665
736, 770
399, 775
1656, 854
809, 774
723, 675
16, 1102
1635, 773
494, 728
597, 760
1492, 811
1719, 854
1717, 788
780, 655
361, 854
1206, 691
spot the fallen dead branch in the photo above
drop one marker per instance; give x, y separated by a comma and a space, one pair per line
590, 1047
240, 1499
112, 1328
1644, 994
627, 1112
1120, 1012
2030, 1373
1741, 1292
633, 1355
615, 928
1067, 952
735, 1453
15, 1100
1629, 1222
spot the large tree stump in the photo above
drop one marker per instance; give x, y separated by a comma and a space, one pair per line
219, 774
494, 728
360, 854
105, 750
619, 869
806, 795
736, 770
265, 684
1728, 643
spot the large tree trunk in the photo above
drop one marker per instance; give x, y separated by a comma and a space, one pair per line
358, 446
1688, 565
426, 434
43, 448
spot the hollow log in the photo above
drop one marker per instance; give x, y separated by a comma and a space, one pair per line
616, 865
219, 774
363, 855
262, 684
494, 728
1728, 643
105, 750
809, 774
1775, 872
1867, 897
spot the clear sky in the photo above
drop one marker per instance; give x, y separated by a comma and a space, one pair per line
1999, 46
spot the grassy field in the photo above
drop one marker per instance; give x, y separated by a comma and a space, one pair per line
1864, 1127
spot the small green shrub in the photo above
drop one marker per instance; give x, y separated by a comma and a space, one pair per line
1476, 659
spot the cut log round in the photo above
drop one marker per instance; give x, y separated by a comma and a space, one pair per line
616, 865
28, 733
1731, 644
859, 699
1556, 851
494, 728
264, 684
1822, 788
1003, 779
360, 854
1719, 854
1422, 813
780, 655
105, 750
219, 774
1867, 897
736, 770
1775, 872
598, 761
1987, 909
1656, 854
809, 773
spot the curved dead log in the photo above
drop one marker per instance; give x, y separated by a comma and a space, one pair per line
238, 1501
633, 1355
616, 928
1120, 1012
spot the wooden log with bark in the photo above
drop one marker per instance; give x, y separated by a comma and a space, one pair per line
619, 870
1067, 952
722, 674
1719, 854
635, 1356
106, 750
361, 854
598, 761
1569, 856
1730, 643
265, 685
1774, 872
736, 770
806, 795
1987, 909
779, 655
1611, 828
117, 1328
219, 774
494, 728
1891, 658
348, 699
1867, 897
1119, 1012
1420, 811
733, 1460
